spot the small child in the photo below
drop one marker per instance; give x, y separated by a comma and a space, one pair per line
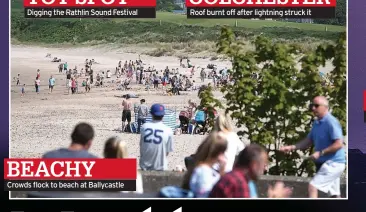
23, 90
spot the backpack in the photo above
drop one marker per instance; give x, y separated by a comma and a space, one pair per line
128, 128
175, 192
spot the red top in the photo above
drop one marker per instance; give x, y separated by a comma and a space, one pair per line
73, 84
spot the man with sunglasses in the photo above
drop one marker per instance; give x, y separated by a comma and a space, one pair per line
329, 156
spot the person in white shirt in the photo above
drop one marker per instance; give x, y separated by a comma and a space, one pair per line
201, 178
156, 141
235, 145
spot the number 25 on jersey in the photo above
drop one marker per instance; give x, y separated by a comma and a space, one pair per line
153, 136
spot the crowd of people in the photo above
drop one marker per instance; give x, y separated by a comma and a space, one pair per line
222, 167
170, 81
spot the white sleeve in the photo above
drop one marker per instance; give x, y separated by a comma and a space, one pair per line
240, 144
142, 131
139, 184
169, 144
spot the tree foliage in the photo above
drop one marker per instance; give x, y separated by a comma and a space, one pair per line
341, 15
271, 94
209, 102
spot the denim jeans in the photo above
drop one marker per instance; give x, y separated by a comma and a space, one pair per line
140, 122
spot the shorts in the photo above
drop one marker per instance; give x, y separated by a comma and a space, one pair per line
126, 115
328, 177
50, 86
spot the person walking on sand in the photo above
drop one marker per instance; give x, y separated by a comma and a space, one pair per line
126, 112
23, 90
68, 80
87, 85
65, 66
73, 85
51, 83
39, 74
203, 75
60, 67
77, 84
330, 158
37, 84
18, 79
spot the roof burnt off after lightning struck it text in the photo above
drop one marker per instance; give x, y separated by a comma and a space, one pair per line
262, 2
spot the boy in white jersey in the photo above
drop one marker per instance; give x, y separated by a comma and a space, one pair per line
156, 141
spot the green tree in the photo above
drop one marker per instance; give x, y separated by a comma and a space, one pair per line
336, 87
210, 103
341, 15
338, 91
270, 97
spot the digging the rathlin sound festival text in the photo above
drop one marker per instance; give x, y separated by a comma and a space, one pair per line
70, 13
95, 12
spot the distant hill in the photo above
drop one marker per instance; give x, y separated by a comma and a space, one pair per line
167, 5
166, 28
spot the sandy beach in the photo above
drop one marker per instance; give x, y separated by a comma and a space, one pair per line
44, 122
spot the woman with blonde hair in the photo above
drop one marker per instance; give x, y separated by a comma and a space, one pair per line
235, 145
115, 148
192, 107
201, 177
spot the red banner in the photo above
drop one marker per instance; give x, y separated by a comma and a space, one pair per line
89, 3
70, 169
261, 3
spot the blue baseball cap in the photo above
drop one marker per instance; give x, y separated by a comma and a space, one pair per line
157, 110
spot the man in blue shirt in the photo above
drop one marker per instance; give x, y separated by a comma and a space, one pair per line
329, 156
51, 83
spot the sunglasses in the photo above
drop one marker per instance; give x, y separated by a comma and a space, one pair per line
311, 106
314, 105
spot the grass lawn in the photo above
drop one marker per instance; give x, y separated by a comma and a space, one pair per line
252, 24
